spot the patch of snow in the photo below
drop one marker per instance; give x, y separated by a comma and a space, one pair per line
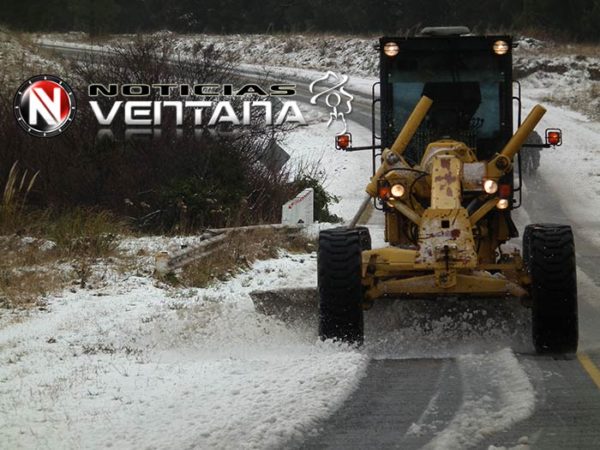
416, 328
529, 43
43, 245
20, 60
522, 444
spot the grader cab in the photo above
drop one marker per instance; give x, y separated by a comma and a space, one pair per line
445, 180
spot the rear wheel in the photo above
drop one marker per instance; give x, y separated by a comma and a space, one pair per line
341, 293
549, 253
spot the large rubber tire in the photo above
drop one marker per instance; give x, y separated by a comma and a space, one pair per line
341, 293
365, 238
527, 245
551, 264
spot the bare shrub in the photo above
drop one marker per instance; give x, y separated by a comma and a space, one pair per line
169, 182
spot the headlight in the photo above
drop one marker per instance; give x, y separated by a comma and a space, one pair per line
502, 203
392, 158
500, 47
398, 191
490, 186
391, 49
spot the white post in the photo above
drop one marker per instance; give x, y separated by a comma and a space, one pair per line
299, 210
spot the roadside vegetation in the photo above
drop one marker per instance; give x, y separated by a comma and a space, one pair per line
42, 249
239, 253
68, 201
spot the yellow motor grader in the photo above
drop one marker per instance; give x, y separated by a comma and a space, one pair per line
446, 183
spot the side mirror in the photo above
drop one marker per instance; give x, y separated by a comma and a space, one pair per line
343, 141
554, 137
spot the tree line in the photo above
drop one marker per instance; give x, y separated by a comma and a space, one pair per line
575, 19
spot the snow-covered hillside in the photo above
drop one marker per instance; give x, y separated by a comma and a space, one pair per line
564, 74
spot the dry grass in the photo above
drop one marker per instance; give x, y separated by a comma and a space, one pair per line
239, 252
62, 255
85, 232
30, 267
21, 58
28, 288
16, 189
76, 232
27, 273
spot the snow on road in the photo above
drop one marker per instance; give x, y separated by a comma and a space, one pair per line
496, 394
136, 365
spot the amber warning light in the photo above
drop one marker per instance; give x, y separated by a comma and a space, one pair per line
343, 141
554, 137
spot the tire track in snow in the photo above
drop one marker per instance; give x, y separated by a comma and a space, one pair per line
496, 394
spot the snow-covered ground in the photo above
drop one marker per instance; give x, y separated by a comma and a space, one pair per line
134, 363
573, 170
139, 365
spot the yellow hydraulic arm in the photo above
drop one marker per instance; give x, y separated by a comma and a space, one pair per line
402, 141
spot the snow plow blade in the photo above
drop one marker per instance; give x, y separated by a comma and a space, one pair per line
288, 304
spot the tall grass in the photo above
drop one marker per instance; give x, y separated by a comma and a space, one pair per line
14, 196
77, 231
85, 232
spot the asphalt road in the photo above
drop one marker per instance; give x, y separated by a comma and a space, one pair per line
440, 375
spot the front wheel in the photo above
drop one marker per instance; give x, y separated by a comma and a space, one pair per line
341, 293
550, 260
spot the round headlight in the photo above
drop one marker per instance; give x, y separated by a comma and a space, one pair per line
490, 186
398, 191
500, 47
502, 203
391, 49
392, 158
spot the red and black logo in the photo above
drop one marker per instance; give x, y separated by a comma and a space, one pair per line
44, 106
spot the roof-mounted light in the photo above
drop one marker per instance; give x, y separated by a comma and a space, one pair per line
391, 49
500, 47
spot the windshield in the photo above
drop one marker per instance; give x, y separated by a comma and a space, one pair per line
466, 88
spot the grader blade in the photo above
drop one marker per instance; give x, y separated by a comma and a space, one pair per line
287, 304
